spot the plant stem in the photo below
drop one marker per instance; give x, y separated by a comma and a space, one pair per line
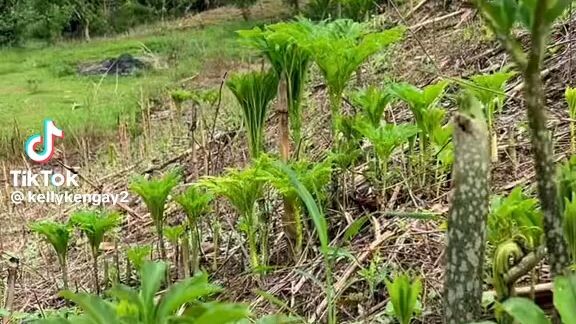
542, 145
186, 256
64, 269
95, 270
467, 218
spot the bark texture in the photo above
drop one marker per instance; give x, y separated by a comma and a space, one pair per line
467, 217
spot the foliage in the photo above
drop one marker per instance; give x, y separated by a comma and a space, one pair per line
142, 306
254, 92
567, 191
95, 225
195, 202
281, 44
515, 217
357, 10
525, 311
321, 225
174, 233
570, 226
155, 193
242, 188
58, 235
386, 138
404, 294
339, 48
373, 102
138, 255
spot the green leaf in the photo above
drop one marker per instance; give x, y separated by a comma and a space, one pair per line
183, 292
95, 225
404, 294
98, 310
355, 228
524, 311
570, 95
155, 192
152, 275
57, 234
565, 297
222, 314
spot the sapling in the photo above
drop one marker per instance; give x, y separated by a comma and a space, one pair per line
155, 193
196, 204
58, 235
138, 255
254, 91
243, 189
537, 17
570, 95
95, 225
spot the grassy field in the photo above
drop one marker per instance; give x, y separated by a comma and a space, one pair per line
38, 82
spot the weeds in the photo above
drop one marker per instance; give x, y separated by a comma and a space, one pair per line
58, 235
404, 295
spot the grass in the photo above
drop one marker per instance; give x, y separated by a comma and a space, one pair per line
39, 81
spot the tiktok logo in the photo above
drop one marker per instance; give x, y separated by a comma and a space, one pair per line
47, 141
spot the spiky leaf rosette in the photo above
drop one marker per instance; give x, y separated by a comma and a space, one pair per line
57, 234
155, 192
95, 224
467, 216
195, 202
254, 91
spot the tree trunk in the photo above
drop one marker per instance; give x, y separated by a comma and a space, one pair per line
87, 30
467, 217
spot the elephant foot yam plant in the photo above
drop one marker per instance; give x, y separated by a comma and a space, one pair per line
468, 213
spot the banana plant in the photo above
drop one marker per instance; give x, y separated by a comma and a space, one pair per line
570, 95
58, 235
95, 225
339, 48
254, 91
155, 193
196, 204
242, 188
404, 295
489, 89
143, 306
372, 102
385, 139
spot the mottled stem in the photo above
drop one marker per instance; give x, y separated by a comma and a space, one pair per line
542, 145
467, 217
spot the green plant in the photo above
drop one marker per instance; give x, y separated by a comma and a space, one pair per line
95, 225
404, 294
423, 104
254, 92
155, 193
570, 226
137, 255
373, 102
143, 307
525, 311
321, 225
570, 96
314, 177
174, 235
243, 189
385, 139
374, 274
58, 235
515, 217
537, 17
489, 89
196, 204
339, 48
281, 44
